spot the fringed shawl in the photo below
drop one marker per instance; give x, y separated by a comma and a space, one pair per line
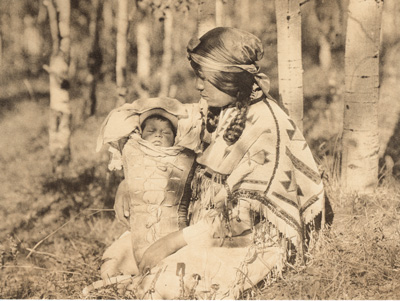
270, 165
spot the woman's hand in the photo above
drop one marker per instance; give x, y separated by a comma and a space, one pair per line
220, 199
161, 249
122, 203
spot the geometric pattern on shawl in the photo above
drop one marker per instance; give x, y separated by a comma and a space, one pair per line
272, 164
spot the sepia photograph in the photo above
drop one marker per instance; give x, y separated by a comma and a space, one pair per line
200, 149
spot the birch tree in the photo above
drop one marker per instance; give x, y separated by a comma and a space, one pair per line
389, 108
108, 38
360, 126
205, 16
60, 112
219, 13
1, 48
143, 51
244, 13
95, 57
290, 70
167, 52
121, 62
32, 44
15, 33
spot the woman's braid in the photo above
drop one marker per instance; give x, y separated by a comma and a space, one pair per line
237, 125
212, 119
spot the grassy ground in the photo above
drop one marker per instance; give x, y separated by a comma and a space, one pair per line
54, 231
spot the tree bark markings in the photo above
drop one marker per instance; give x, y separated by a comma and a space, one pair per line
95, 58
360, 125
143, 52
121, 60
60, 112
167, 53
206, 19
290, 67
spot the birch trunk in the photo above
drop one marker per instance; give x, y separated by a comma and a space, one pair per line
15, 34
167, 55
143, 55
360, 126
389, 108
1, 49
290, 70
219, 13
121, 63
95, 57
32, 44
60, 112
108, 18
328, 29
244, 14
205, 16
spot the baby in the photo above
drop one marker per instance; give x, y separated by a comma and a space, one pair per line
158, 130
157, 177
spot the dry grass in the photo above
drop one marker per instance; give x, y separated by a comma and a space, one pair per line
357, 257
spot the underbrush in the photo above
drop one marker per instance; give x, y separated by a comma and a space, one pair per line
63, 264
53, 231
356, 257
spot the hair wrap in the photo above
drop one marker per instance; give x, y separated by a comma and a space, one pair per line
226, 57
231, 50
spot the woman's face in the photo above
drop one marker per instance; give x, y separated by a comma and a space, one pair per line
213, 96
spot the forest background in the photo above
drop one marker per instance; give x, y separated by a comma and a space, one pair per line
54, 229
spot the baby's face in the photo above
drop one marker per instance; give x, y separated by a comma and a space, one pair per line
158, 132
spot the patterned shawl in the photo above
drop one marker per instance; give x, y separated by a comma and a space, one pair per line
270, 165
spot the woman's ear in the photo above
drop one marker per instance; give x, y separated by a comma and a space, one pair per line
201, 74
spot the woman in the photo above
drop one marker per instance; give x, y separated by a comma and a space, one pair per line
256, 180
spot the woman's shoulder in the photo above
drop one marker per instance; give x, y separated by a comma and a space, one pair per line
261, 111
267, 111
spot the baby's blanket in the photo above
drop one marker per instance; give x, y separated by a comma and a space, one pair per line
156, 178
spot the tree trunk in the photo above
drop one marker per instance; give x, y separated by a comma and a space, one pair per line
32, 44
1, 49
122, 38
60, 112
108, 39
389, 108
167, 55
244, 14
15, 34
95, 57
219, 13
205, 16
108, 18
288, 19
329, 28
143, 55
360, 125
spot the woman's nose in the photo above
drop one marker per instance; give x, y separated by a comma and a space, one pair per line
199, 84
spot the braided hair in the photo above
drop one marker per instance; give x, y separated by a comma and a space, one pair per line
238, 85
244, 82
